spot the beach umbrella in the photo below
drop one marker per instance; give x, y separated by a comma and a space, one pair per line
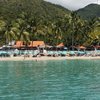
1, 52
16, 51
26, 52
71, 52
4, 53
81, 52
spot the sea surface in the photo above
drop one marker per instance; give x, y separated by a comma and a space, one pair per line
50, 80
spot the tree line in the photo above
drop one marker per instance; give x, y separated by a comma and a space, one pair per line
69, 29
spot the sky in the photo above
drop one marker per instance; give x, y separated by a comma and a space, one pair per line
74, 4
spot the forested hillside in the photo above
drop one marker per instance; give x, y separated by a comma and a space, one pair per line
90, 11
10, 9
29, 20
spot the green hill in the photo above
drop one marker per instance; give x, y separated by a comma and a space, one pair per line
40, 20
10, 9
90, 11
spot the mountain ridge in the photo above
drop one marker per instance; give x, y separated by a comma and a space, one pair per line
10, 9
89, 11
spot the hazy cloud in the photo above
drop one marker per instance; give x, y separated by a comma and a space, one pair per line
73, 4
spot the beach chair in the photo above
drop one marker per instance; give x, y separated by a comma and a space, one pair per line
16, 52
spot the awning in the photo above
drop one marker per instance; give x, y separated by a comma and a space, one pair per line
60, 45
81, 47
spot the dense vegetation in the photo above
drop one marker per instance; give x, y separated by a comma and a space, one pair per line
30, 20
11, 9
90, 11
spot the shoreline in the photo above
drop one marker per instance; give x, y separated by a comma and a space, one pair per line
44, 58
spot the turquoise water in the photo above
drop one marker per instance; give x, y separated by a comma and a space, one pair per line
50, 80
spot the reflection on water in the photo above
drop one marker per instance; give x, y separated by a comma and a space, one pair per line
50, 80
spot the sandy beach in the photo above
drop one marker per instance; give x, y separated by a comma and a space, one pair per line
45, 58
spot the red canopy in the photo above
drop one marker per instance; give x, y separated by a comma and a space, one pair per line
60, 45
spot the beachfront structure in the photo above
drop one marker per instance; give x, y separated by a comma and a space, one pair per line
31, 44
18, 44
36, 44
32, 47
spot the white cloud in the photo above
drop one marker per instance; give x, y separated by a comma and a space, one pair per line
73, 4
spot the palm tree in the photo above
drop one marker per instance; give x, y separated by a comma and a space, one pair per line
2, 27
7, 33
74, 27
2, 30
66, 29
